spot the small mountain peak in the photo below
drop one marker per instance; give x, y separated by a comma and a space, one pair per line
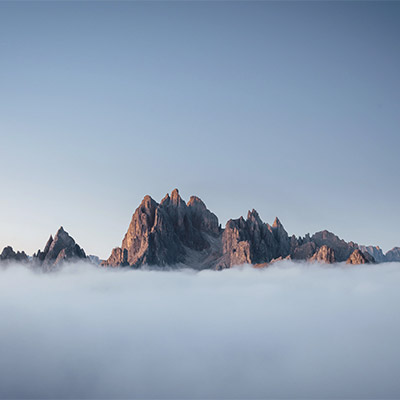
147, 202
176, 199
277, 223
195, 201
253, 214
358, 257
165, 200
60, 233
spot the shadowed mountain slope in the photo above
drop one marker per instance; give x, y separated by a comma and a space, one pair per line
173, 233
60, 249
168, 233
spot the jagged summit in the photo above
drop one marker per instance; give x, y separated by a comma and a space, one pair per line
251, 241
174, 232
8, 255
276, 223
168, 233
176, 199
60, 249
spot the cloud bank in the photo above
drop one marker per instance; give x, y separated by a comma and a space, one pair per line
289, 331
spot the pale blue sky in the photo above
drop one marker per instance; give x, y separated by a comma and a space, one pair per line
291, 108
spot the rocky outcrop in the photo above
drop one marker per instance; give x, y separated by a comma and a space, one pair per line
168, 233
341, 248
393, 255
175, 233
324, 255
304, 251
374, 251
9, 255
252, 241
58, 250
358, 257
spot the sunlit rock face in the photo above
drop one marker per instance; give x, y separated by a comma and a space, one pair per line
8, 254
173, 233
168, 233
58, 250
324, 255
358, 257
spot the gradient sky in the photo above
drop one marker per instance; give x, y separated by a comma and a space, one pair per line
291, 108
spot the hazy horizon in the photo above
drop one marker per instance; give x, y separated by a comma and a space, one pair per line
290, 108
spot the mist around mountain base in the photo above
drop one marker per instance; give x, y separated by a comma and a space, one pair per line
293, 330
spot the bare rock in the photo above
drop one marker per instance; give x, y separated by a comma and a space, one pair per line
341, 248
168, 233
324, 255
251, 241
358, 257
282, 238
60, 249
304, 251
375, 251
9, 255
393, 255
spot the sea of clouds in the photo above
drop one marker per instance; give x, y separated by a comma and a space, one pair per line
288, 331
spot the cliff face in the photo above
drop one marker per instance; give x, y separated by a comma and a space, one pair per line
176, 233
374, 251
324, 255
358, 257
168, 233
172, 232
60, 249
251, 241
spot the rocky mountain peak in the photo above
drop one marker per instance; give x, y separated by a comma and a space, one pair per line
61, 248
341, 248
254, 216
176, 199
196, 202
8, 254
166, 200
147, 203
358, 257
168, 233
393, 255
324, 255
277, 223
174, 232
252, 241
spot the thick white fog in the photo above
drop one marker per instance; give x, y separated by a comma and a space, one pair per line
286, 331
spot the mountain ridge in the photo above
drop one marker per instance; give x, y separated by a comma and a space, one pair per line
175, 233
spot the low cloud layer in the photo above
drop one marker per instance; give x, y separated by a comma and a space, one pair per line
291, 330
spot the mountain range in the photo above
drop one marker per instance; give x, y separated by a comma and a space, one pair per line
174, 233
